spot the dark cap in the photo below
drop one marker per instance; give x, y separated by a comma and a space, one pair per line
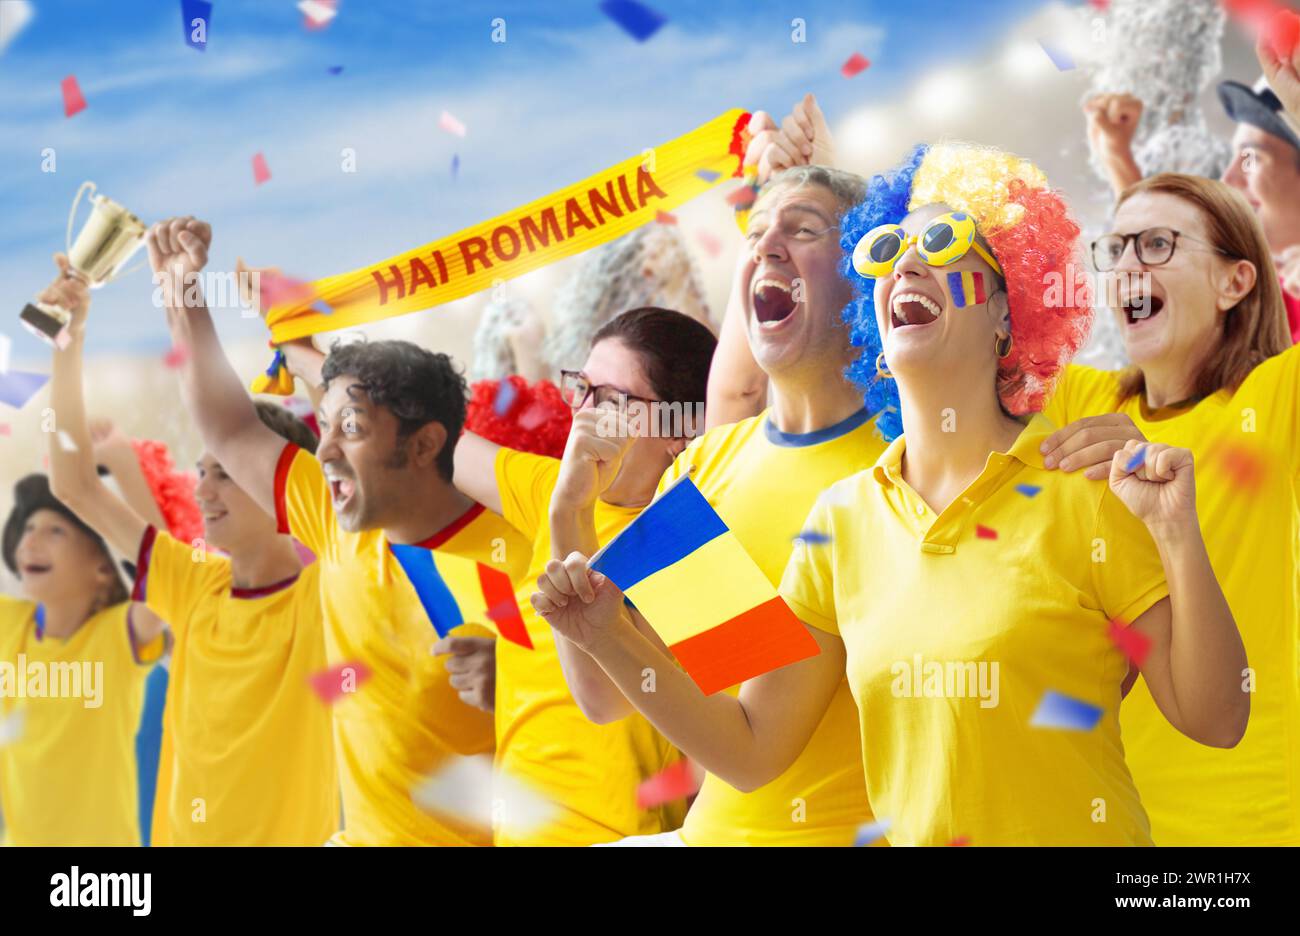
1259, 107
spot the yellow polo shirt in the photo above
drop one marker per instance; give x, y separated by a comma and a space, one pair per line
405, 722
250, 748
588, 772
763, 482
70, 777
953, 638
1247, 448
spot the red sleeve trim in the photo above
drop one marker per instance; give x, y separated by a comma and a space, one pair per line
281, 480
451, 529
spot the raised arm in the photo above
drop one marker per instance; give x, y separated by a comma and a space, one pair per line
1112, 122
737, 385
214, 395
1196, 663
747, 741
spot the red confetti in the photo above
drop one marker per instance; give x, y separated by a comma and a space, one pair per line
669, 785
1133, 644
261, 172
959, 842
664, 217
337, 681
856, 64
984, 532
533, 417
73, 102
1284, 33
5, 429
742, 197
277, 289
316, 14
712, 246
176, 357
1101, 6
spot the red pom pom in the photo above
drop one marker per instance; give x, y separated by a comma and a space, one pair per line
526, 418
173, 491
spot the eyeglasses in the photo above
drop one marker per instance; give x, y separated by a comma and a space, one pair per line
944, 241
575, 389
1154, 247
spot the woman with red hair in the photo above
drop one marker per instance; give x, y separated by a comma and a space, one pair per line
976, 601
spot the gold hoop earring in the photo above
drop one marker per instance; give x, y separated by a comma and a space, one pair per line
881, 371
1000, 349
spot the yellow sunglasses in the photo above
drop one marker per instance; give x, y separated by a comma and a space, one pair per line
944, 241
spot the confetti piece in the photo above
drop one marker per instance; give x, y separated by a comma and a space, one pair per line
664, 217
318, 12
712, 246
339, 680
1059, 58
813, 538
637, 20
6, 343
261, 172
673, 783
870, 832
277, 289
1061, 711
1136, 461
335, 69
17, 387
1243, 466
305, 555
1284, 33
73, 102
176, 357
506, 395
533, 417
14, 17
856, 64
11, 725
468, 790
449, 123
742, 197
5, 429
959, 842
192, 10
66, 442
455, 165
1029, 490
1101, 6
1133, 644
708, 175
984, 532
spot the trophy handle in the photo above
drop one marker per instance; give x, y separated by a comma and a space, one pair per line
73, 213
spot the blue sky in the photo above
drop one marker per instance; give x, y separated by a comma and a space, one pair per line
170, 130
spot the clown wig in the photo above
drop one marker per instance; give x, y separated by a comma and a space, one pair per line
1029, 231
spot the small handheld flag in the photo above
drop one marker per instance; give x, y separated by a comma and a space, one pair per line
454, 590
691, 579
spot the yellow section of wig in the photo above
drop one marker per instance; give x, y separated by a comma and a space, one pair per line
974, 179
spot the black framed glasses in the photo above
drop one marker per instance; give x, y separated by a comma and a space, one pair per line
575, 389
1154, 247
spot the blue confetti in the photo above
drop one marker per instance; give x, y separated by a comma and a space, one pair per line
1136, 461
505, 396
1029, 490
17, 387
335, 69
455, 165
708, 175
1059, 58
1061, 711
192, 10
638, 20
813, 538
40, 622
870, 832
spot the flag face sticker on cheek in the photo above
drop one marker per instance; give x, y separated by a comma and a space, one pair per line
966, 288
691, 579
454, 590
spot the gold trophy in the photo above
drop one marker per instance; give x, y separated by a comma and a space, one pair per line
107, 240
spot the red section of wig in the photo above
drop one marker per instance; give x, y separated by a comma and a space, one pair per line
536, 419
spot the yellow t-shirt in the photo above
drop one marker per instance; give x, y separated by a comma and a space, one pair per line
70, 777
763, 482
1247, 469
589, 772
953, 638
405, 721
250, 755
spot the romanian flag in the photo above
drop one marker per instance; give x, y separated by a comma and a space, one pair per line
967, 288
455, 590
690, 578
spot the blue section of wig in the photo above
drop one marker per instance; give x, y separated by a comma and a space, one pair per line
885, 203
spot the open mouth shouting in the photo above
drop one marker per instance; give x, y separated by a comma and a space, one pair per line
1140, 308
910, 307
31, 570
772, 299
341, 490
